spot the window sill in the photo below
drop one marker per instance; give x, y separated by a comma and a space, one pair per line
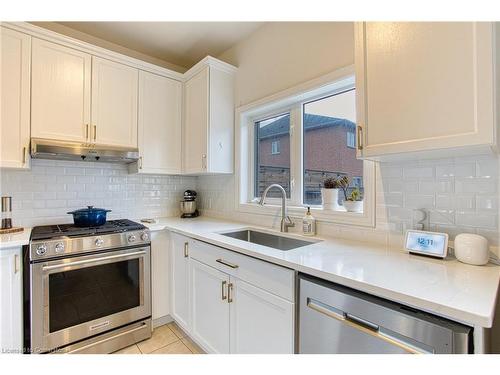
328, 216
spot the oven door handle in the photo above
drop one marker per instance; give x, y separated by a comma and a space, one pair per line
93, 260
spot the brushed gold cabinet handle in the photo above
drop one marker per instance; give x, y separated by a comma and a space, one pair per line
95, 132
223, 294
16, 264
24, 155
221, 261
204, 161
86, 131
229, 290
186, 254
360, 137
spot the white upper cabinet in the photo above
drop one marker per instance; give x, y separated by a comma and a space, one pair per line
209, 118
425, 88
60, 89
160, 127
15, 49
114, 103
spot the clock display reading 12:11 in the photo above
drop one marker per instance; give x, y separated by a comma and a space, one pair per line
427, 243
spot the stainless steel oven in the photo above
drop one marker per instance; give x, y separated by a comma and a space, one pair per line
77, 298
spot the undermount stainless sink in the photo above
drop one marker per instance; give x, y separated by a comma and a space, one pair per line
268, 239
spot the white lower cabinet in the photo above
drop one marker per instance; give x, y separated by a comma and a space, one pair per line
180, 291
159, 276
237, 304
11, 297
210, 309
260, 322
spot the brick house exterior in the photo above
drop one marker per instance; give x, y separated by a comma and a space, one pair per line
327, 152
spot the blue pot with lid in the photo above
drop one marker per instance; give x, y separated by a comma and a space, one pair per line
89, 217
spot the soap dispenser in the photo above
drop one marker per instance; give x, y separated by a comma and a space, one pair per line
308, 224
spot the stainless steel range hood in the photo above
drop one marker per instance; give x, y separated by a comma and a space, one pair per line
60, 150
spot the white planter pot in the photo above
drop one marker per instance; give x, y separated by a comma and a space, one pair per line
353, 206
330, 199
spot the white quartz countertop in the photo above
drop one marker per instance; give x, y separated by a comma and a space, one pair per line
448, 288
18, 239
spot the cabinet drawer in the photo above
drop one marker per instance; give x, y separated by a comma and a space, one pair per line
275, 279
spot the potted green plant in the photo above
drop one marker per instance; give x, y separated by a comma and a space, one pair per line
354, 202
330, 194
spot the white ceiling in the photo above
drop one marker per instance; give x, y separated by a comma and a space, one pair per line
180, 43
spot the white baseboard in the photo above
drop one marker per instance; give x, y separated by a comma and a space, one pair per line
161, 321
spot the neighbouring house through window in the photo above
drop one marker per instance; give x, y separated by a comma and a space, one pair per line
327, 123
271, 165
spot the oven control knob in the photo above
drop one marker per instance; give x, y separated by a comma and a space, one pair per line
99, 241
41, 249
59, 248
145, 237
132, 238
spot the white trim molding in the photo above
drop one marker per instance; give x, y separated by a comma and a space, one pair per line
291, 100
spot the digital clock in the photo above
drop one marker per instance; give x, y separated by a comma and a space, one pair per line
427, 243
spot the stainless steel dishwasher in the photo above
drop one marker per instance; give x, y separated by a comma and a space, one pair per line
336, 319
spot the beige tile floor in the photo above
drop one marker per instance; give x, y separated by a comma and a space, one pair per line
167, 339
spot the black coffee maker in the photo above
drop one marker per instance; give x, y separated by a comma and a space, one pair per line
188, 205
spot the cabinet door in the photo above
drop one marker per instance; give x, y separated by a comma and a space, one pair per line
114, 103
180, 280
210, 308
160, 274
424, 85
261, 322
11, 294
196, 122
60, 92
160, 136
15, 98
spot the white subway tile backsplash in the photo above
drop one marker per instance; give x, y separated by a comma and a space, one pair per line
459, 193
419, 201
418, 172
476, 185
50, 189
487, 202
477, 219
487, 168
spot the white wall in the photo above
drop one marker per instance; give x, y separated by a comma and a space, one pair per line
50, 189
282, 54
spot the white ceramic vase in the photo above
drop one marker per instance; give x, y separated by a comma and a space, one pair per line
353, 206
330, 199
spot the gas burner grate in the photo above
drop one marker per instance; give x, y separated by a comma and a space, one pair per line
70, 230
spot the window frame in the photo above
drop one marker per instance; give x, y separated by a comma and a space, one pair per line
278, 147
292, 100
350, 135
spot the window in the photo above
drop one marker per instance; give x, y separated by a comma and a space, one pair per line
351, 140
327, 123
298, 138
275, 147
271, 165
